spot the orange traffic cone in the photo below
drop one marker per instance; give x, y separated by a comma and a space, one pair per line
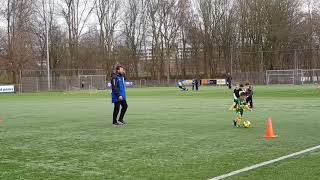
269, 131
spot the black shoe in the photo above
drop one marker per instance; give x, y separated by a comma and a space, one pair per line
122, 121
117, 124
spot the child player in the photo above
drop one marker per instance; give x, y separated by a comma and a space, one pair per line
236, 92
239, 106
249, 94
181, 86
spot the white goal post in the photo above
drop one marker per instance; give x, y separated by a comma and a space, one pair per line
293, 76
92, 82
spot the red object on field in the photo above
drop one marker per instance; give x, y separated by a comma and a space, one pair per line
269, 131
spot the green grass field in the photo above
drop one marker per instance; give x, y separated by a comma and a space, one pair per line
170, 135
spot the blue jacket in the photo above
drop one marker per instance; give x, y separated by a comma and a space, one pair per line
118, 87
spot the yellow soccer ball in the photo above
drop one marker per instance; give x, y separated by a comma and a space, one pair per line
247, 124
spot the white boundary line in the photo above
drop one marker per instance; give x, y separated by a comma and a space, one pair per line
264, 163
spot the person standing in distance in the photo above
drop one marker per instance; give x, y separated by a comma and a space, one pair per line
195, 84
119, 96
229, 80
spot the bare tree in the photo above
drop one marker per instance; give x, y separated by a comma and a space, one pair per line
20, 50
169, 14
135, 30
46, 15
108, 14
76, 14
212, 13
156, 23
181, 38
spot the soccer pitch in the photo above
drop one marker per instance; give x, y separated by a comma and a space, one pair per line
170, 135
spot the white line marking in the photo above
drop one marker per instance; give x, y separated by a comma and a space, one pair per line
264, 163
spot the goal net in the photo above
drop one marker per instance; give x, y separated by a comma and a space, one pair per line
92, 82
310, 76
293, 76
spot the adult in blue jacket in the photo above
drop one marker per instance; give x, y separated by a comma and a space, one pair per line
119, 95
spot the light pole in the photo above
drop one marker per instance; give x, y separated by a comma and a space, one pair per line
47, 6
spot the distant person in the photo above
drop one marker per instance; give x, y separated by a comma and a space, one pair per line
119, 95
249, 94
229, 80
82, 84
238, 89
195, 84
181, 86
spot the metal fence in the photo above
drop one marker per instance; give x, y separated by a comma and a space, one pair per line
257, 78
61, 80
81, 82
34, 81
100, 82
